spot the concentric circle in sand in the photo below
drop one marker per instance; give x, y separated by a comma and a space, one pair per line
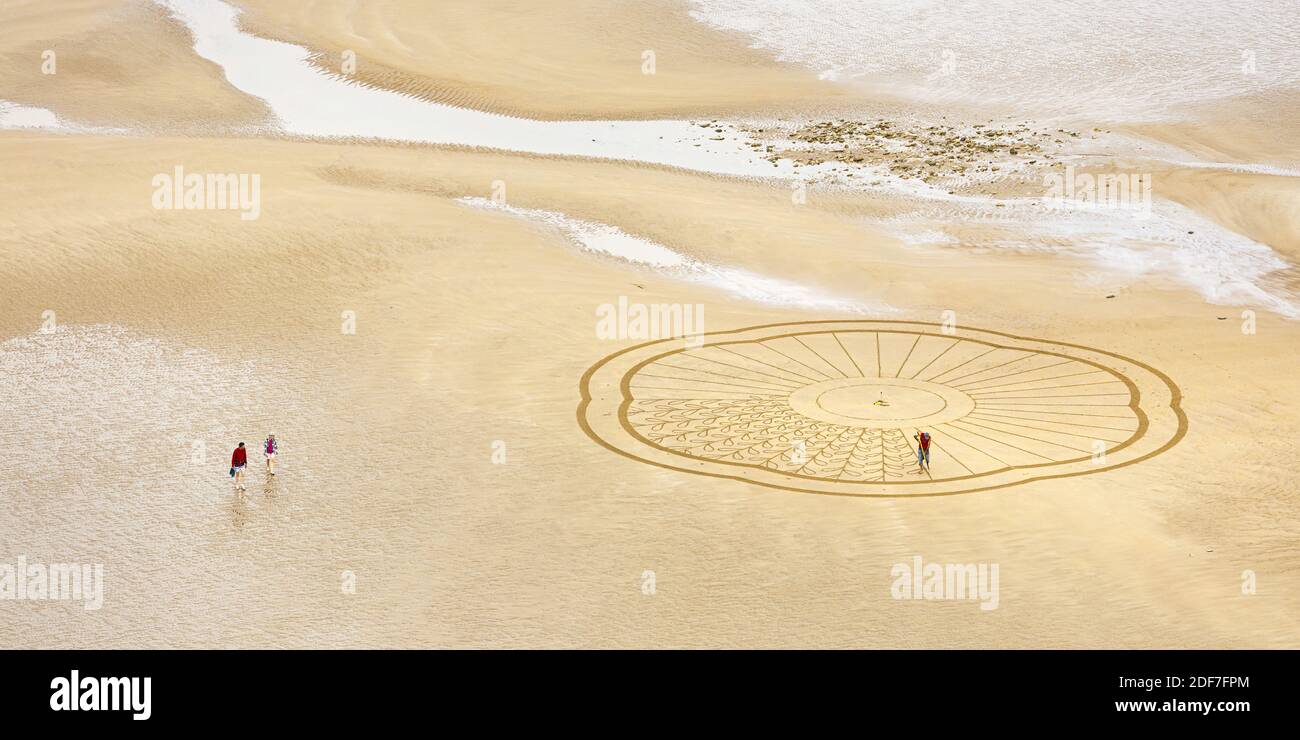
880, 403
833, 407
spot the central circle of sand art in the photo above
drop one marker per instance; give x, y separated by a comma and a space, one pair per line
831, 407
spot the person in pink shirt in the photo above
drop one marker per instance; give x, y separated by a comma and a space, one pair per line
271, 447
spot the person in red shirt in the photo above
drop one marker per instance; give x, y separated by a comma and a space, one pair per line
922, 448
238, 462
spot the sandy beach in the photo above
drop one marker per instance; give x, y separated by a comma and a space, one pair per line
412, 311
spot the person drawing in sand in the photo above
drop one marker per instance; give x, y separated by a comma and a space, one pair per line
922, 449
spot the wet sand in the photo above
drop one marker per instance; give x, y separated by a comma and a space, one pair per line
179, 333
546, 63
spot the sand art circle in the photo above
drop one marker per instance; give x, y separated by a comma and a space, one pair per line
832, 407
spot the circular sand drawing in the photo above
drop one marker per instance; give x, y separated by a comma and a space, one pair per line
833, 407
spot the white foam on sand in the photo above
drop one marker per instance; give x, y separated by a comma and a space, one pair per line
1225, 267
18, 116
824, 34
614, 242
1243, 167
13, 115
1222, 266
1114, 60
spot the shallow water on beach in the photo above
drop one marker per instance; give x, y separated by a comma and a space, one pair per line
1224, 267
309, 102
16, 116
1119, 61
1221, 265
612, 241
118, 448
187, 332
13, 115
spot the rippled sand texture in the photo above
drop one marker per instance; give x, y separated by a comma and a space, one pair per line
452, 52
473, 327
138, 346
115, 63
